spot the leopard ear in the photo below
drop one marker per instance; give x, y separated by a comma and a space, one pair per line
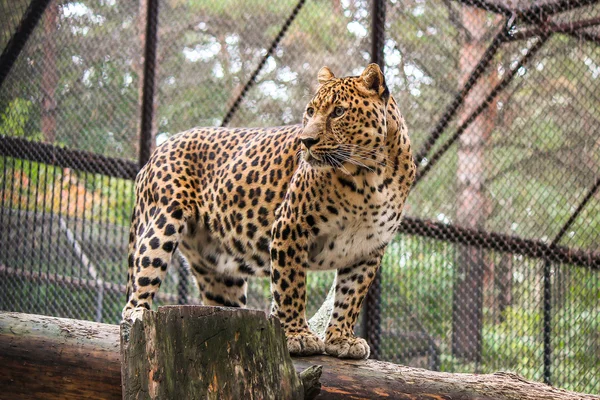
325, 75
373, 79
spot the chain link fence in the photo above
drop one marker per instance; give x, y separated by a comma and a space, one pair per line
496, 265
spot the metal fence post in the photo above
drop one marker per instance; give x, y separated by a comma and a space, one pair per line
378, 33
372, 309
149, 79
252, 80
547, 314
547, 322
13, 48
184, 278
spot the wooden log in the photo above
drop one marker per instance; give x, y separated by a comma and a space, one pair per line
53, 358
371, 379
207, 353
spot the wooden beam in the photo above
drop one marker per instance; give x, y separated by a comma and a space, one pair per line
55, 358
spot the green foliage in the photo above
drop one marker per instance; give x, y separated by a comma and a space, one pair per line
33, 186
14, 120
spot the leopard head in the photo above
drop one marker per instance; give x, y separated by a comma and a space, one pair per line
345, 122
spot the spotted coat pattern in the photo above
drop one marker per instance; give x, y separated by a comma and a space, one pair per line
237, 203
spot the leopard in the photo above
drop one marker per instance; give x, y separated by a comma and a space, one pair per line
237, 203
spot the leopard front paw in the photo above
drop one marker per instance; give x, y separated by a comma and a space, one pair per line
304, 343
348, 347
130, 315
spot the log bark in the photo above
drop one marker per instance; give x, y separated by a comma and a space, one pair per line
49, 73
209, 352
371, 379
54, 358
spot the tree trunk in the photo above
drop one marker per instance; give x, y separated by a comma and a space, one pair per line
467, 305
55, 358
209, 353
49, 74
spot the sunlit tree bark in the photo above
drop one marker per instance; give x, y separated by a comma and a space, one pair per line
49, 74
467, 307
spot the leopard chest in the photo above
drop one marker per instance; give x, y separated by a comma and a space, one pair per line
352, 238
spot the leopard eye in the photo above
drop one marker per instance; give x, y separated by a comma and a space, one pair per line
310, 111
339, 111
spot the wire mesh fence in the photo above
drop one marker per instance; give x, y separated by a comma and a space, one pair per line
496, 264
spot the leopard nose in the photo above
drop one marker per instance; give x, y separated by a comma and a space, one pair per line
309, 142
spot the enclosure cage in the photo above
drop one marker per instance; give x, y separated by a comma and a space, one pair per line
496, 263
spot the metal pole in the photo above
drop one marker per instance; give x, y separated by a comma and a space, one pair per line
547, 324
378, 33
547, 315
421, 172
149, 79
252, 80
534, 11
372, 309
13, 48
460, 97
500, 242
184, 274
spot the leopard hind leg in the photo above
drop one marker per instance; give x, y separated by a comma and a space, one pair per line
215, 270
154, 237
218, 289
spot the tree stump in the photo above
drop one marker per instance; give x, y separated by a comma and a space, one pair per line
208, 353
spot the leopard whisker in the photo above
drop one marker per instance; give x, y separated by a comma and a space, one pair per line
349, 158
361, 150
360, 164
349, 155
334, 162
368, 154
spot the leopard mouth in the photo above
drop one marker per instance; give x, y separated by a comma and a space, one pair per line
316, 160
324, 160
